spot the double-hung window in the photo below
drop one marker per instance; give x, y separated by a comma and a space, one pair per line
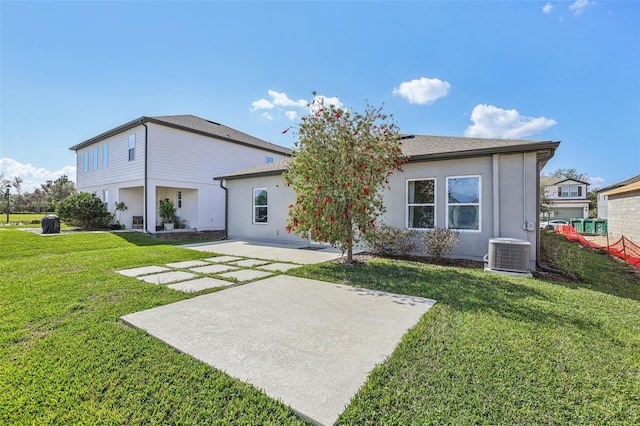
570, 191
95, 158
421, 196
463, 203
85, 161
260, 205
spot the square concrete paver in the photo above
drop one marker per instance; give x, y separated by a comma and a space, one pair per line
134, 272
309, 343
187, 264
246, 274
213, 269
281, 267
249, 263
167, 277
222, 259
199, 284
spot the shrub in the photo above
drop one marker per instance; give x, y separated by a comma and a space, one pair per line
84, 210
439, 242
386, 239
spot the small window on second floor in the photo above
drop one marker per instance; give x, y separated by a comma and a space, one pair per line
132, 147
95, 158
269, 160
105, 156
85, 158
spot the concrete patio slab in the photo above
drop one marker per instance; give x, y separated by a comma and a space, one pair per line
246, 275
270, 250
134, 272
167, 277
306, 342
222, 259
187, 264
213, 269
249, 263
199, 284
281, 267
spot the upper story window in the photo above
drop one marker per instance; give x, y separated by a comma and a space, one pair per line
132, 147
421, 196
268, 160
260, 205
569, 191
85, 160
463, 203
95, 158
105, 156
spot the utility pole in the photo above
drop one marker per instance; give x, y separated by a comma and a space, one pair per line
7, 195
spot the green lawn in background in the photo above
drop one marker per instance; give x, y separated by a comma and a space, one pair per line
493, 350
24, 220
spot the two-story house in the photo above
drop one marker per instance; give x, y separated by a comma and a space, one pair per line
564, 198
153, 158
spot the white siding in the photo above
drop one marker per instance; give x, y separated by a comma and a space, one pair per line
119, 169
184, 160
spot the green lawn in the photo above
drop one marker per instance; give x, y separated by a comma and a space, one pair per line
493, 350
25, 220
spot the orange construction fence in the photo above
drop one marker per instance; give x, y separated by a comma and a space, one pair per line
623, 248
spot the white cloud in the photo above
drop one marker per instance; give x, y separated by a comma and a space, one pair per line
32, 176
281, 99
596, 182
492, 122
547, 8
261, 104
578, 6
280, 105
423, 90
291, 115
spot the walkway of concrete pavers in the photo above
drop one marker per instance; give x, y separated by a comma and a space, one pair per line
271, 250
308, 343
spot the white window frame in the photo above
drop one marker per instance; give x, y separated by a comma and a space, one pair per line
85, 160
105, 156
478, 204
408, 205
132, 147
255, 206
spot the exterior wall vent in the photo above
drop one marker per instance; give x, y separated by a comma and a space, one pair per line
509, 254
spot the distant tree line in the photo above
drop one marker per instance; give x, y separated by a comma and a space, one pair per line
41, 200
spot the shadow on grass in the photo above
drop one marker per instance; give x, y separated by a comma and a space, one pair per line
472, 291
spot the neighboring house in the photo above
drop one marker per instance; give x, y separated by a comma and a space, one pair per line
603, 208
565, 198
624, 212
494, 181
152, 158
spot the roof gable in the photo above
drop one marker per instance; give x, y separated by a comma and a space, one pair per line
193, 124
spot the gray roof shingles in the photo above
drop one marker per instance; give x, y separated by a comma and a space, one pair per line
424, 147
191, 123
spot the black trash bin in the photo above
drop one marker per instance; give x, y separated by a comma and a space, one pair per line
51, 224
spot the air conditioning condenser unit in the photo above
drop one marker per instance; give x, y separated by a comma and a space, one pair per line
509, 254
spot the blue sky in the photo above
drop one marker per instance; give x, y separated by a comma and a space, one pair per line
567, 71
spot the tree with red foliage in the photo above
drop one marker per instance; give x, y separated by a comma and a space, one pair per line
341, 161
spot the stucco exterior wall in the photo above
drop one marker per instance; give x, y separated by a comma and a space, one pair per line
624, 216
507, 205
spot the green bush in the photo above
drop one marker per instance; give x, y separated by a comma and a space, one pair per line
84, 210
439, 242
386, 239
